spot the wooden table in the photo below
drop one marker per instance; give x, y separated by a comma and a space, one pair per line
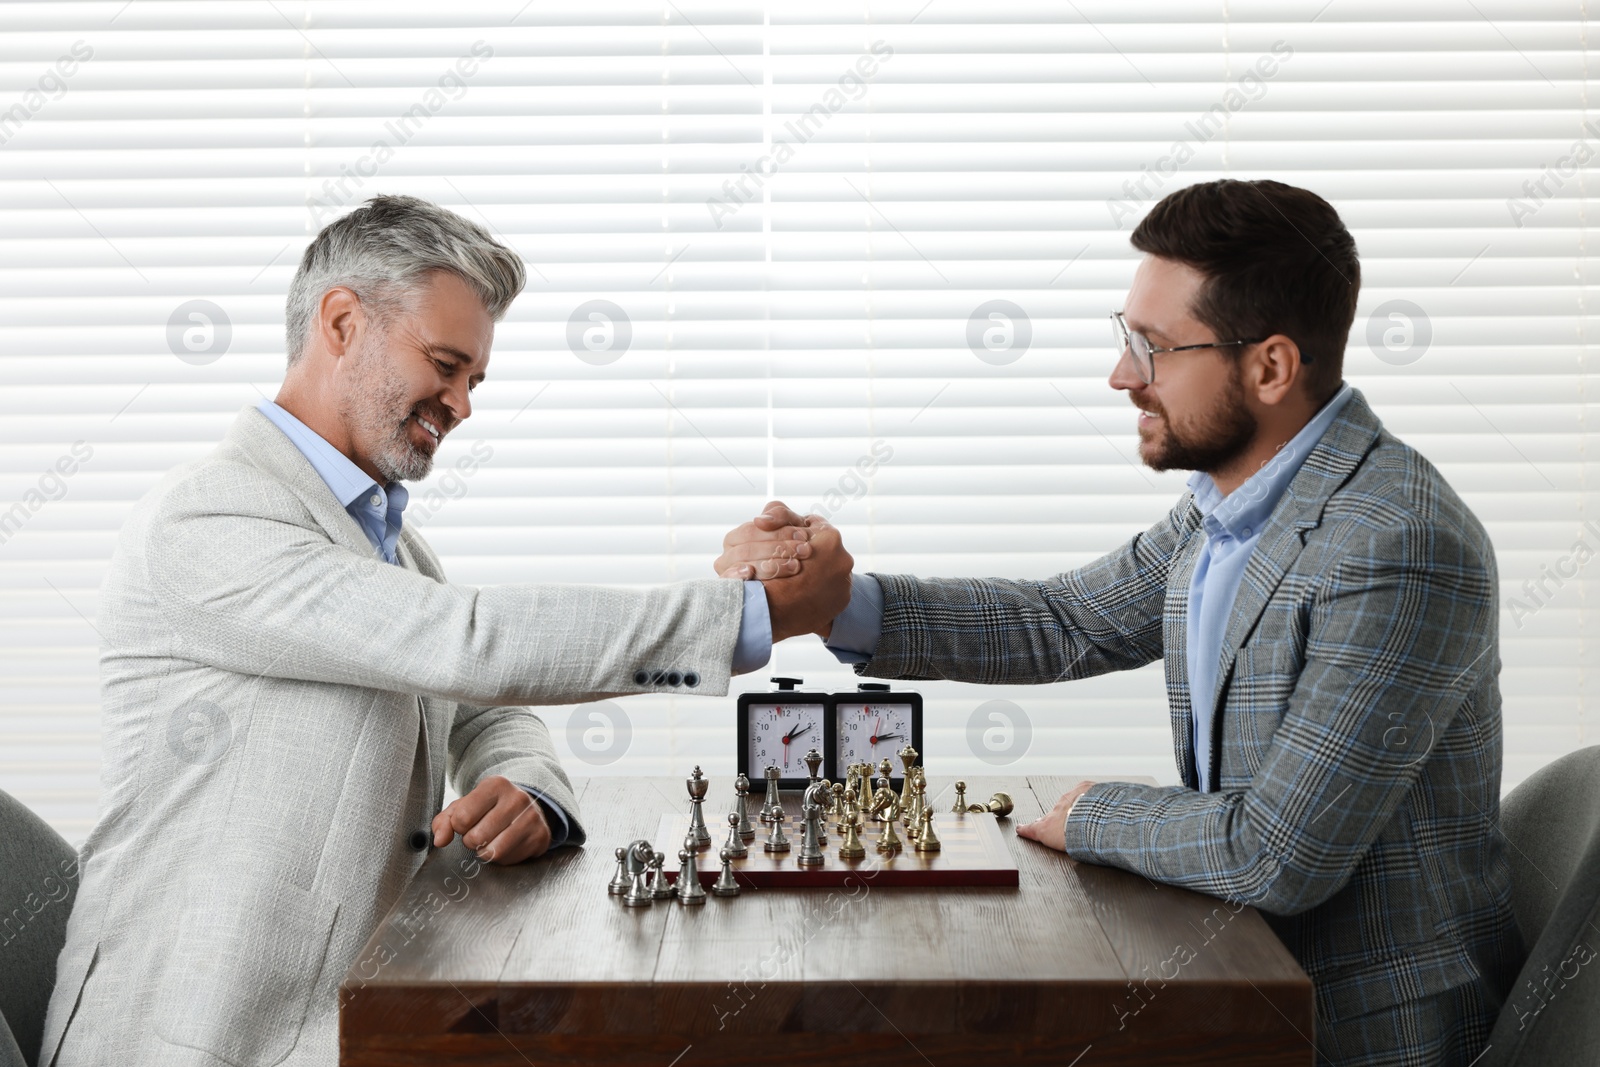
1079, 966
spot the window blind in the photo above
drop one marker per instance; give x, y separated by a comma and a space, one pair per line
855, 255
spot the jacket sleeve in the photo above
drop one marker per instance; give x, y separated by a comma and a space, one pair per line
1105, 616
243, 579
513, 742
1401, 632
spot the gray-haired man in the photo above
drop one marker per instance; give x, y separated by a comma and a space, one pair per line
287, 675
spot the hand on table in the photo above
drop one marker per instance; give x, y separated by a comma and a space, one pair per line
801, 562
498, 820
1051, 827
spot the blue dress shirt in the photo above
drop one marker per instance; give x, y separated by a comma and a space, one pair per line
1233, 527
378, 510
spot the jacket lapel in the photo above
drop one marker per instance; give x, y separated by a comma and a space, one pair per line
1327, 467
1175, 640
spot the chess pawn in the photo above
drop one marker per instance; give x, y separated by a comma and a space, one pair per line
840, 791
908, 757
927, 837
775, 841
741, 789
697, 784
639, 894
660, 888
961, 799
689, 890
850, 847
725, 886
999, 806
619, 880
774, 805
735, 846
889, 840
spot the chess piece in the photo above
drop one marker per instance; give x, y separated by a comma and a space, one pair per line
725, 886
774, 804
741, 790
817, 793
735, 846
838, 808
810, 840
908, 758
697, 785
813, 760
927, 838
999, 805
886, 806
689, 890
864, 774
889, 840
917, 782
659, 887
850, 847
619, 880
639, 894
961, 799
775, 841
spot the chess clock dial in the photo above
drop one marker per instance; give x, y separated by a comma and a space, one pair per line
777, 730
874, 724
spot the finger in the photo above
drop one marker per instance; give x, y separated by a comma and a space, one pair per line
443, 832
744, 571
754, 551
495, 821
1028, 830
749, 531
527, 836
776, 568
466, 811
777, 513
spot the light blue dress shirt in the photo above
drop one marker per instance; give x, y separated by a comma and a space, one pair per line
1233, 526
378, 509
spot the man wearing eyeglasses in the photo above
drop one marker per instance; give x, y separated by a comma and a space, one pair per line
1326, 609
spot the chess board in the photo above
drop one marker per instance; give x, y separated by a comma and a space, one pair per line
973, 852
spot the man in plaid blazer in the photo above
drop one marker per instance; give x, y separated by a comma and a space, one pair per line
1326, 609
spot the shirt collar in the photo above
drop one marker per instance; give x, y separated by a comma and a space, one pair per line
1243, 512
348, 482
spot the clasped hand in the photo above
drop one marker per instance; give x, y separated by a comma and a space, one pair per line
800, 561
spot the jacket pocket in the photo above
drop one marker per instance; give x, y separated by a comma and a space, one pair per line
247, 955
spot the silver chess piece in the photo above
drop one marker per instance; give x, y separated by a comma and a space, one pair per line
818, 794
735, 846
774, 804
638, 864
810, 844
813, 761
776, 841
660, 888
690, 891
725, 886
619, 880
741, 790
697, 785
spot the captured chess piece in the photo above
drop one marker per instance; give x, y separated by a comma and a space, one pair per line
927, 838
776, 841
619, 880
638, 859
697, 784
741, 791
961, 799
999, 805
660, 888
725, 886
774, 803
689, 889
735, 846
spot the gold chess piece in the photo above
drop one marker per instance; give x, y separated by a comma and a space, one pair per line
864, 772
887, 807
908, 758
999, 805
961, 799
836, 807
850, 846
927, 837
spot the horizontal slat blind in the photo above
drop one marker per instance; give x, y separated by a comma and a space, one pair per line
802, 333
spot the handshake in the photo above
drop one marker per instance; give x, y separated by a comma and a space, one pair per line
801, 563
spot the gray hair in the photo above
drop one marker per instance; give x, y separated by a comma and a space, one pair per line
383, 249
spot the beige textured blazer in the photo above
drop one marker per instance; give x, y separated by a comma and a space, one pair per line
280, 708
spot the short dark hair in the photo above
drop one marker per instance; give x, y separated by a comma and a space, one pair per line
1276, 259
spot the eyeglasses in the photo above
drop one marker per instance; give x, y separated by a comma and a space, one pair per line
1144, 352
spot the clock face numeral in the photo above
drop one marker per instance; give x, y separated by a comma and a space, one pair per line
781, 735
870, 732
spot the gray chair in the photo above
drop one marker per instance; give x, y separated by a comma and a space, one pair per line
1552, 821
38, 884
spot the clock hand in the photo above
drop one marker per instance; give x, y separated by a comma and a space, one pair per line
888, 737
796, 732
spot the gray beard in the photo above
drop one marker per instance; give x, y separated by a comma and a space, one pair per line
378, 410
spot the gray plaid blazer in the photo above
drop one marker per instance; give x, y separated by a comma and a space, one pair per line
1357, 747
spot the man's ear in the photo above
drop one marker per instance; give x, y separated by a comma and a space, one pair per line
1277, 369
340, 319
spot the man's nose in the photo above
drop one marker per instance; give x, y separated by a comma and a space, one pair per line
1125, 375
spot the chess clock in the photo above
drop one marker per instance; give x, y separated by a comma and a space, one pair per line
776, 729
874, 724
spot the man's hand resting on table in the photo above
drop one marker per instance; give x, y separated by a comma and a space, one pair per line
801, 562
498, 820
1051, 827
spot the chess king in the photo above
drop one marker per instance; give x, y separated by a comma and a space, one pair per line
288, 674
1318, 585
